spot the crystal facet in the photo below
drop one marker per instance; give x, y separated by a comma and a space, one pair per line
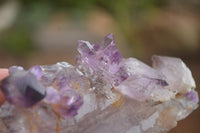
103, 92
22, 88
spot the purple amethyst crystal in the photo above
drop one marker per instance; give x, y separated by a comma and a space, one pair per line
22, 89
67, 101
52, 96
64, 85
102, 93
73, 103
104, 60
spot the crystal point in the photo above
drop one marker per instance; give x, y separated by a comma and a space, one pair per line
108, 40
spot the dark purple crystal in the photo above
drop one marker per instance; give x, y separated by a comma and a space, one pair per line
22, 88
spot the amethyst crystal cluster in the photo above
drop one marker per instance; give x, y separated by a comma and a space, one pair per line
102, 93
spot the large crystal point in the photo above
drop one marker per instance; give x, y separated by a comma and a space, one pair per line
104, 93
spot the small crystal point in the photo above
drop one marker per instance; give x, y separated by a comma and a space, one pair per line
108, 40
23, 89
85, 48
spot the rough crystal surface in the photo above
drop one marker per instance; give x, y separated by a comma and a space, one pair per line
104, 92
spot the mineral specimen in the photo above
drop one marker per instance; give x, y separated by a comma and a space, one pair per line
102, 93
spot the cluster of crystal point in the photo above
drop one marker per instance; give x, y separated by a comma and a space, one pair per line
102, 93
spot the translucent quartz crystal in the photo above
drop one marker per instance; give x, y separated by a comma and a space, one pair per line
105, 93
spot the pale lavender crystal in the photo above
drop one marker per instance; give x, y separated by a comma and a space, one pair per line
37, 71
104, 60
107, 64
193, 95
105, 93
142, 81
135, 67
14, 69
108, 41
73, 103
67, 101
178, 74
53, 96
